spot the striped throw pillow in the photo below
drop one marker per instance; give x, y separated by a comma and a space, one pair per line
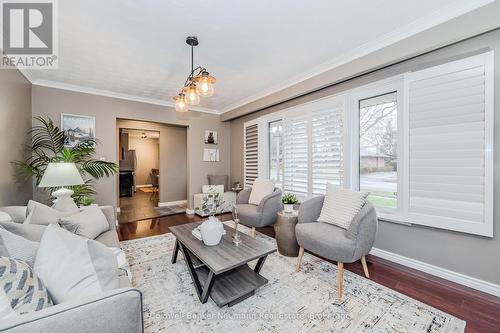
21, 291
341, 205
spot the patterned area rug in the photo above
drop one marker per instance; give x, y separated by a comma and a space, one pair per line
170, 210
291, 302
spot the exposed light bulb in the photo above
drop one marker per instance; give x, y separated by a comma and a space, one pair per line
180, 103
191, 93
204, 84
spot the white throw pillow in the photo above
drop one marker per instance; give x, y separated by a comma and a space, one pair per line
90, 223
341, 205
16, 213
71, 266
260, 188
17, 247
4, 217
38, 213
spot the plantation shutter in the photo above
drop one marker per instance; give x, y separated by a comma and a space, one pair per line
327, 136
251, 154
449, 138
295, 153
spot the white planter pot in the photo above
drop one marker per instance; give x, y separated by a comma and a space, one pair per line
211, 231
288, 208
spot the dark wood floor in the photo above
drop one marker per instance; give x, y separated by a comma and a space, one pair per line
481, 311
139, 207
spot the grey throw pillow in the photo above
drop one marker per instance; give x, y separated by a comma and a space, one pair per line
38, 213
17, 247
90, 223
32, 232
218, 180
22, 291
16, 213
71, 266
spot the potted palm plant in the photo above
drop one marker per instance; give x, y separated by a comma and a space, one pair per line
289, 199
47, 145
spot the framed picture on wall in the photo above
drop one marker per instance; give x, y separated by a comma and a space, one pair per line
77, 128
210, 137
210, 155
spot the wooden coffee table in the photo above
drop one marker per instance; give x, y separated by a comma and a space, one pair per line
222, 271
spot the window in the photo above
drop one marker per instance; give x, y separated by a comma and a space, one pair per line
296, 153
251, 153
378, 150
276, 152
313, 147
421, 145
450, 145
327, 155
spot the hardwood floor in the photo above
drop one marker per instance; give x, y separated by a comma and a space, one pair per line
481, 311
139, 207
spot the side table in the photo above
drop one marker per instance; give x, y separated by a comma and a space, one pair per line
285, 233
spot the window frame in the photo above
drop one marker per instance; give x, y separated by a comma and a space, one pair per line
267, 123
400, 85
390, 85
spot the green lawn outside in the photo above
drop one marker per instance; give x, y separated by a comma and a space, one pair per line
383, 199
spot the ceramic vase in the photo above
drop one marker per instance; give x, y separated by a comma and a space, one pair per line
211, 231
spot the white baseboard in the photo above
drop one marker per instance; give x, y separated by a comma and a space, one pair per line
469, 281
145, 185
172, 203
189, 211
117, 209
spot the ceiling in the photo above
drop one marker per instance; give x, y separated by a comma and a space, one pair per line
136, 49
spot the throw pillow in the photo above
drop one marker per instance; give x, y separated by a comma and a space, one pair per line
341, 205
21, 291
4, 217
17, 247
32, 232
260, 188
38, 213
218, 180
72, 266
90, 223
16, 213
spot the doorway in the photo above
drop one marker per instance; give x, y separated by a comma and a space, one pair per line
153, 170
139, 187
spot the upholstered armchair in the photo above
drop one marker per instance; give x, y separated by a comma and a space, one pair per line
332, 242
261, 215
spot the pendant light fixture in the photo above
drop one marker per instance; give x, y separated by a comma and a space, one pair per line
199, 83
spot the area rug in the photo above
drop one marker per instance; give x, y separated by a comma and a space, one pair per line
170, 210
292, 301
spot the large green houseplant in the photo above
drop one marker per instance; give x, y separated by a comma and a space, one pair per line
47, 145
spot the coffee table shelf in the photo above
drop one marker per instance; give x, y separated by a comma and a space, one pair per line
234, 285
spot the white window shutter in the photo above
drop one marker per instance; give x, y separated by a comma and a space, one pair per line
450, 138
296, 153
327, 155
251, 153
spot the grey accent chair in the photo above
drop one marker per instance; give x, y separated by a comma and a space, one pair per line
332, 242
264, 214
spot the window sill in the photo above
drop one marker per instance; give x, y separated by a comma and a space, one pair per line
394, 219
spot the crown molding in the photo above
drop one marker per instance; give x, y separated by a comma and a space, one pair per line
107, 93
427, 22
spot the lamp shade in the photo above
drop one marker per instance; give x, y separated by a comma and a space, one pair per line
61, 174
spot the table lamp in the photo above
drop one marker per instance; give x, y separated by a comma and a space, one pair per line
61, 174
